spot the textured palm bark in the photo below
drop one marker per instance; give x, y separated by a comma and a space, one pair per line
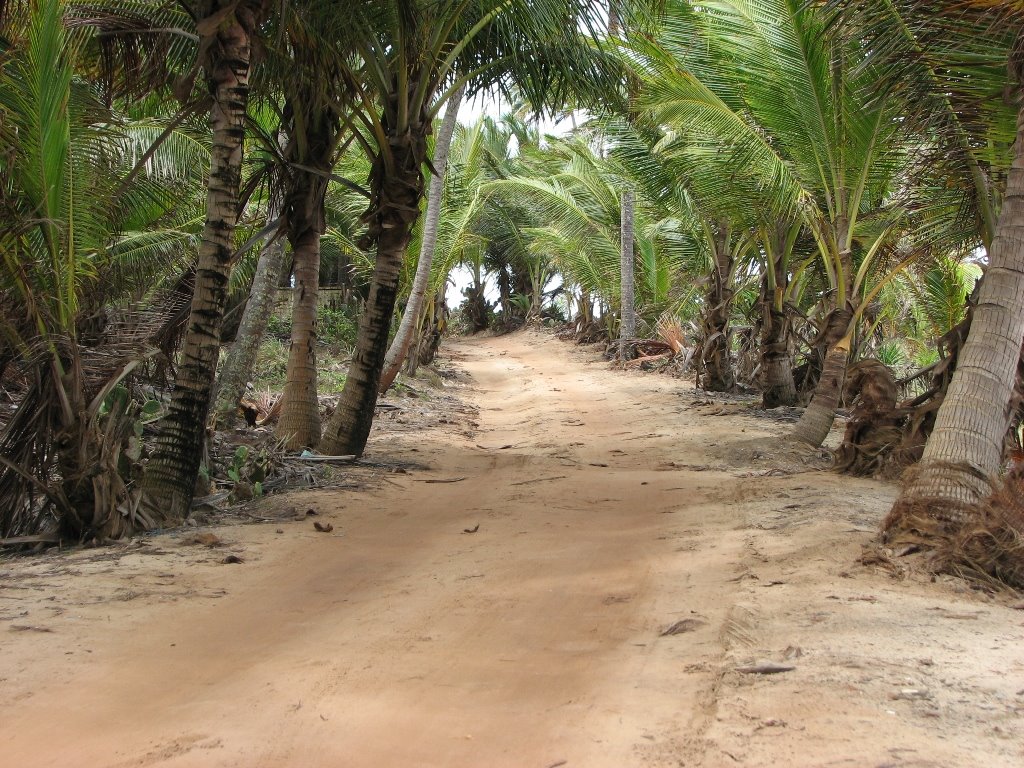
627, 274
965, 448
431, 329
718, 374
779, 388
394, 209
169, 482
410, 318
820, 414
313, 135
777, 359
299, 423
236, 373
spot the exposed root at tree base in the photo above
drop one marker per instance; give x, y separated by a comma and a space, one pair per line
983, 543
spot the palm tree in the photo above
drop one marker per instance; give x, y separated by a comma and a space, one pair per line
81, 233
225, 31
410, 317
777, 244
238, 366
571, 201
966, 446
792, 111
627, 278
410, 54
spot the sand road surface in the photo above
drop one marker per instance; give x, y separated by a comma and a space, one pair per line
578, 571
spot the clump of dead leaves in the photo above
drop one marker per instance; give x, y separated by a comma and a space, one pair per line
983, 544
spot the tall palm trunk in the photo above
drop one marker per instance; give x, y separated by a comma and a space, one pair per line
431, 328
169, 483
820, 414
299, 424
396, 194
410, 318
504, 281
238, 367
627, 319
777, 357
313, 137
965, 448
718, 373
779, 388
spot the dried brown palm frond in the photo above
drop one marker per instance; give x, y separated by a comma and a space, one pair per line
671, 331
48, 461
991, 544
71, 451
875, 427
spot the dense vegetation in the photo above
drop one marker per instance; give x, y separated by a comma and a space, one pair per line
781, 192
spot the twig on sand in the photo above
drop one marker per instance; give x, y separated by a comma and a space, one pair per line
539, 480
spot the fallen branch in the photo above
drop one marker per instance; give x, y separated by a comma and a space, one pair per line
43, 538
539, 480
324, 459
648, 359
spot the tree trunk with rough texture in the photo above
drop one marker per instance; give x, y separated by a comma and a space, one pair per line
299, 423
431, 329
627, 316
169, 482
718, 374
504, 281
965, 449
820, 414
410, 318
313, 133
395, 208
779, 388
237, 370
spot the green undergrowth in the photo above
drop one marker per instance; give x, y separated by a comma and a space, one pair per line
272, 366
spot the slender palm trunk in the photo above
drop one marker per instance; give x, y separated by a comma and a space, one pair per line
313, 133
820, 414
396, 201
299, 424
429, 337
169, 483
779, 388
965, 448
627, 319
718, 372
238, 367
504, 281
410, 318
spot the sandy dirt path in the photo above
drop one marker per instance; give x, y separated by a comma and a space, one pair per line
605, 509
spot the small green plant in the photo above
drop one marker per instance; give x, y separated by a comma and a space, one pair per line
336, 328
234, 472
248, 470
279, 327
891, 354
